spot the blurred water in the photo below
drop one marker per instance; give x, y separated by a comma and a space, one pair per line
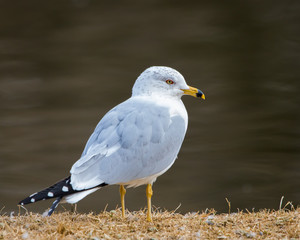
64, 64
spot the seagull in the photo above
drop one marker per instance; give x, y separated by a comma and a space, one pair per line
133, 144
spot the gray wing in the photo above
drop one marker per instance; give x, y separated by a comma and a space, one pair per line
132, 141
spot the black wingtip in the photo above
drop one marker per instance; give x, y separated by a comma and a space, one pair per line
54, 206
59, 189
30, 199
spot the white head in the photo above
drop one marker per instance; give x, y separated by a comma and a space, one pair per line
163, 81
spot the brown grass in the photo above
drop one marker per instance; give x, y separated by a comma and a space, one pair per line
265, 224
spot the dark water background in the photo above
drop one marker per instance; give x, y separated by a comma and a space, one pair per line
64, 64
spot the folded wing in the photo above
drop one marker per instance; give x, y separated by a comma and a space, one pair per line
124, 133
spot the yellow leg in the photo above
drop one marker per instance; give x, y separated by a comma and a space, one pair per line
149, 194
122, 193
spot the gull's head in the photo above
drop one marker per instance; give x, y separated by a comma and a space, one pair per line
163, 81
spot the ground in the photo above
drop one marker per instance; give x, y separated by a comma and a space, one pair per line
264, 224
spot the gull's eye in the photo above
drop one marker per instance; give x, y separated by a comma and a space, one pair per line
170, 82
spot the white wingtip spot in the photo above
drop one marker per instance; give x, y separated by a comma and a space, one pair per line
50, 194
22, 204
65, 189
32, 200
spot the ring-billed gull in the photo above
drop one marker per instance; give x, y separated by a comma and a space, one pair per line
133, 144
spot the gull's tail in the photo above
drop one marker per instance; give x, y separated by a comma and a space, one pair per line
59, 190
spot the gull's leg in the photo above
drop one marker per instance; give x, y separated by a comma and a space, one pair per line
149, 194
122, 193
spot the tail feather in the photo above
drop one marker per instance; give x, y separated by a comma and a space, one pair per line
59, 189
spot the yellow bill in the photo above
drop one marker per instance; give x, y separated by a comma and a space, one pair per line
194, 92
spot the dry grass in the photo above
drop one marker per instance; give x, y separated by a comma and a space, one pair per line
265, 224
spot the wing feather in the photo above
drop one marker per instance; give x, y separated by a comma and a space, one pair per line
129, 143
